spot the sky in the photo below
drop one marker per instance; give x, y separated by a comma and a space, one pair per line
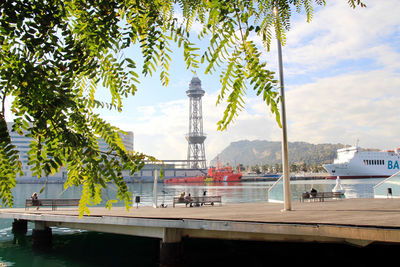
341, 85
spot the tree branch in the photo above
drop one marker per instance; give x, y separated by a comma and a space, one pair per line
3, 104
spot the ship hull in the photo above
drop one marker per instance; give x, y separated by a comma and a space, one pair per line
194, 179
356, 177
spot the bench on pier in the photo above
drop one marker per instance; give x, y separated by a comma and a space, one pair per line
198, 201
321, 196
53, 203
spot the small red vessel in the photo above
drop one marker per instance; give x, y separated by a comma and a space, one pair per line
225, 174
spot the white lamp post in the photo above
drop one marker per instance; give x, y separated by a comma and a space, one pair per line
285, 161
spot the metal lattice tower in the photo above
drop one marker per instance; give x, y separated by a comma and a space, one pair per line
196, 154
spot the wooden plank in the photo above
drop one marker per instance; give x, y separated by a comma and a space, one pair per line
358, 212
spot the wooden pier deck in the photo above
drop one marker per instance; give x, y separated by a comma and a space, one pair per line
356, 221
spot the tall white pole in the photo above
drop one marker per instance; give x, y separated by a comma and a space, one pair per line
155, 189
285, 161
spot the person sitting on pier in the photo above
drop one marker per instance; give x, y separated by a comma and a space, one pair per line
181, 197
35, 200
305, 195
313, 192
188, 200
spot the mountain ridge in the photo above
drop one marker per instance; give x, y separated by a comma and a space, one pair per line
260, 152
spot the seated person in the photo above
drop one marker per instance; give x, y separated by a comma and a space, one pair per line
188, 198
181, 197
313, 192
35, 200
305, 195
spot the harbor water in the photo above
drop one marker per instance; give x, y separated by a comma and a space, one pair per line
73, 247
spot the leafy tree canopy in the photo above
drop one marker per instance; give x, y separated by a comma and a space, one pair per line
55, 54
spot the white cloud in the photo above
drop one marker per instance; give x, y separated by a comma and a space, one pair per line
257, 124
344, 108
159, 133
196, 27
146, 112
338, 33
163, 133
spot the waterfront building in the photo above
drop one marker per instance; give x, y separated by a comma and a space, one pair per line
22, 143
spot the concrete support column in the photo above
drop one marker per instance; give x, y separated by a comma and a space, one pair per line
19, 229
19, 226
41, 235
171, 247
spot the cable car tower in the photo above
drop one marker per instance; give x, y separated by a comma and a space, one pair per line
196, 155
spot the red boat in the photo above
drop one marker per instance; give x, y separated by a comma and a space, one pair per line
225, 174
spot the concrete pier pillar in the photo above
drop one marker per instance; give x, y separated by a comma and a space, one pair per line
171, 248
19, 226
41, 235
19, 229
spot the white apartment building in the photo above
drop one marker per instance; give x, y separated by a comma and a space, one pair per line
22, 143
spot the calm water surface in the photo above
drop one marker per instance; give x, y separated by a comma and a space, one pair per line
82, 248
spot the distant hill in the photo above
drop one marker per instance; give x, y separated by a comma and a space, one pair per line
270, 152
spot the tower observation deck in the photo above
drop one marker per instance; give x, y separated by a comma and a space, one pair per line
196, 154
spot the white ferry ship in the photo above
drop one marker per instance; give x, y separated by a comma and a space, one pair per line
352, 162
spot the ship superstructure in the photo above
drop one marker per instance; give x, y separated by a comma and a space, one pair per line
353, 162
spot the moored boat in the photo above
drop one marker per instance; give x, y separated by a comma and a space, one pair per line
224, 174
271, 175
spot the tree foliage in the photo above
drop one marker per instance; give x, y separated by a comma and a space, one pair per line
55, 54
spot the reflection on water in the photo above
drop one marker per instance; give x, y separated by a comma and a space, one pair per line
16, 251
